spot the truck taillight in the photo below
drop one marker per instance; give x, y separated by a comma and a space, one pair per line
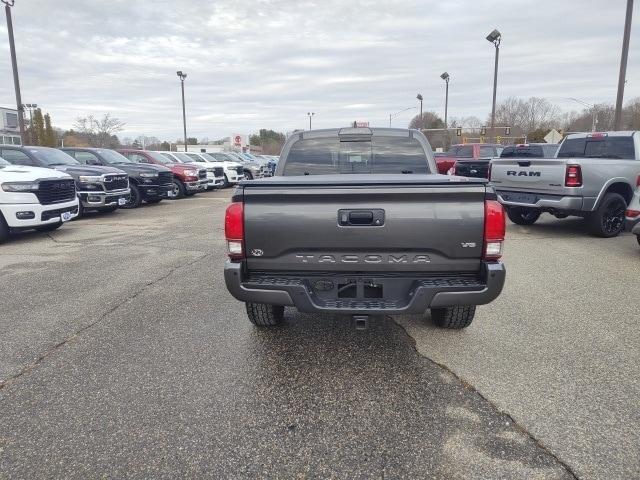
632, 213
494, 230
638, 181
234, 230
573, 177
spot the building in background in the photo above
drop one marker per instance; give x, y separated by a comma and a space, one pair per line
9, 130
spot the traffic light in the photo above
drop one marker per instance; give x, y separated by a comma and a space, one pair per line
507, 130
498, 139
459, 131
483, 131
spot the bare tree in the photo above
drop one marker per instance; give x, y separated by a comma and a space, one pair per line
527, 115
428, 120
100, 131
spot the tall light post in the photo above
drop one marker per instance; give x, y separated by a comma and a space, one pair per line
594, 112
394, 115
14, 64
494, 37
617, 121
31, 107
182, 76
419, 97
310, 115
445, 77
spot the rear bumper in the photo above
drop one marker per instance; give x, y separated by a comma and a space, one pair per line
421, 293
545, 201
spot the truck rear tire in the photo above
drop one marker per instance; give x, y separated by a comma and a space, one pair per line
263, 315
4, 230
454, 318
608, 220
523, 215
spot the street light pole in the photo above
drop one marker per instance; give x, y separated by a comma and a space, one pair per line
310, 115
617, 121
14, 64
445, 77
393, 115
419, 97
32, 133
494, 37
182, 76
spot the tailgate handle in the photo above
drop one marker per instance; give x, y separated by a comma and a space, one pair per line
526, 163
354, 218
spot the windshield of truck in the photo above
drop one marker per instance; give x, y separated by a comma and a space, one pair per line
158, 157
113, 158
3, 162
52, 157
379, 155
463, 151
222, 157
183, 157
598, 147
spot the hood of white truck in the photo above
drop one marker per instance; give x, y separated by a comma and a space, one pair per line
18, 173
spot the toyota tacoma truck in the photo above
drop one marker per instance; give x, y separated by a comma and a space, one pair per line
34, 198
187, 179
593, 175
99, 188
149, 183
356, 222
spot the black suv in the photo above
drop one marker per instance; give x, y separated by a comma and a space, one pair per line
99, 188
150, 183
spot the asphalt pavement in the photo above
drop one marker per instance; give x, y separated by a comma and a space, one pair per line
122, 355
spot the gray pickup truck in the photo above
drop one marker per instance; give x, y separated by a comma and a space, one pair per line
356, 222
593, 175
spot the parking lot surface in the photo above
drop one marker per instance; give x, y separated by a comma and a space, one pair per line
122, 354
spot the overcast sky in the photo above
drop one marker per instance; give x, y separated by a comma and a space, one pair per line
266, 63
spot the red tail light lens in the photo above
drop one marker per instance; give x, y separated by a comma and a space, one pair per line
632, 213
573, 177
638, 181
494, 229
234, 230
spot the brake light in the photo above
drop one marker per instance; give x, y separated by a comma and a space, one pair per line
638, 181
234, 230
494, 230
573, 177
632, 213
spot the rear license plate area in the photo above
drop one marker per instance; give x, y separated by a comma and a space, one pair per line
520, 198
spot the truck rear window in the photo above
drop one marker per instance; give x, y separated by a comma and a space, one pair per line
385, 155
598, 147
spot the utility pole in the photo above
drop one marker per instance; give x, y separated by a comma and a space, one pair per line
14, 64
182, 76
617, 121
494, 37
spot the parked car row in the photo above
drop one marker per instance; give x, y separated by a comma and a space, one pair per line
41, 188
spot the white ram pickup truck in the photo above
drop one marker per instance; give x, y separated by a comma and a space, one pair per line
34, 198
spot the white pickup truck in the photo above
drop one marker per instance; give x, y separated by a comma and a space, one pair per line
593, 175
34, 198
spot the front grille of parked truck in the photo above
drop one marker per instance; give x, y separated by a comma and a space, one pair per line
240, 170
55, 191
218, 172
165, 178
202, 174
116, 182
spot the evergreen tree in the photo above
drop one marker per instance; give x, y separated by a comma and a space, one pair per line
49, 135
38, 127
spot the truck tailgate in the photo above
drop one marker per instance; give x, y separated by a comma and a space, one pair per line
430, 226
528, 174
